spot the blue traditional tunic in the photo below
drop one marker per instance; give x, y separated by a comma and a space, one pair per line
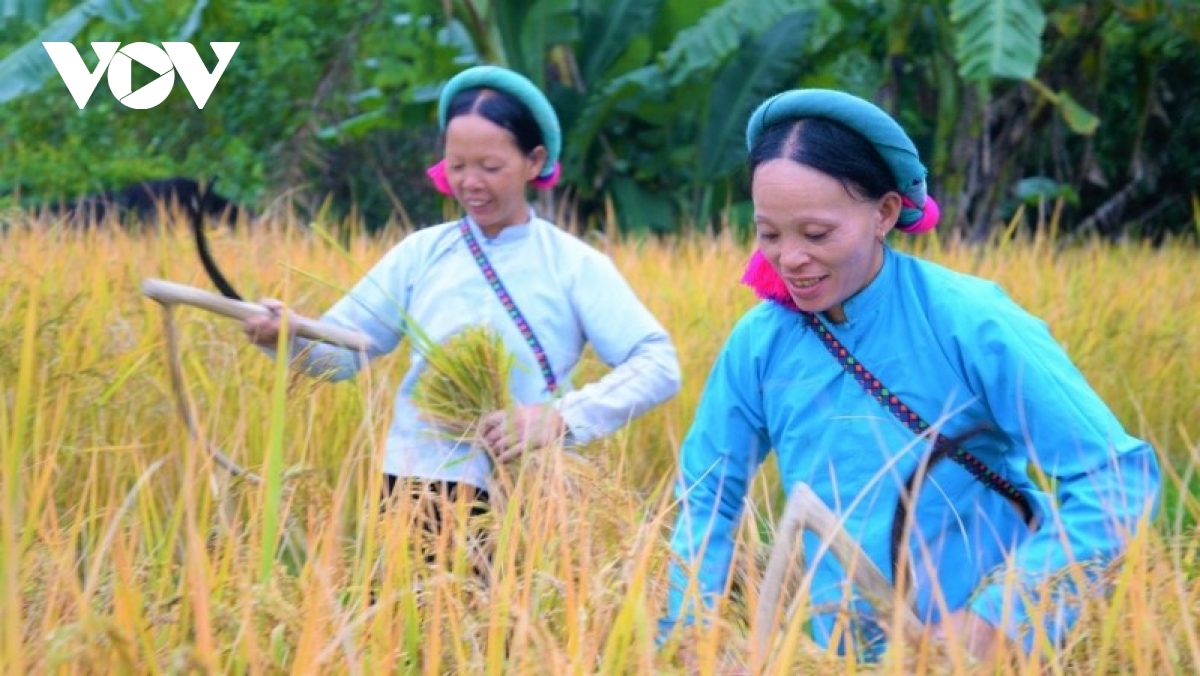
570, 294
960, 353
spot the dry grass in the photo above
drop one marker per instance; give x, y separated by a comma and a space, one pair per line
115, 556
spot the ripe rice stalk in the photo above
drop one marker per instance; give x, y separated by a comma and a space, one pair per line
466, 377
805, 511
579, 572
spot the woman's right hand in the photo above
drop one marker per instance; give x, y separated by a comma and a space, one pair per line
264, 329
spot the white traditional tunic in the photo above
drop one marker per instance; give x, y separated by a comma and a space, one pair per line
569, 293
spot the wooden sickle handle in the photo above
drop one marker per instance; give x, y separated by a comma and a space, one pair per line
806, 512
170, 293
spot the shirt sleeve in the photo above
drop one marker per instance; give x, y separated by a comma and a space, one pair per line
627, 338
1106, 480
725, 446
375, 307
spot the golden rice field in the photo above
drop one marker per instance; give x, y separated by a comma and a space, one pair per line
124, 549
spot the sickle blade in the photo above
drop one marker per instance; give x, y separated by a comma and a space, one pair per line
206, 259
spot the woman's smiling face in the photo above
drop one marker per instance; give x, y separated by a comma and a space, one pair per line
488, 172
825, 242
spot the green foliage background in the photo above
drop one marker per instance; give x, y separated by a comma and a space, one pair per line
1093, 105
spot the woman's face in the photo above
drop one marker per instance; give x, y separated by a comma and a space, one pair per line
488, 172
825, 243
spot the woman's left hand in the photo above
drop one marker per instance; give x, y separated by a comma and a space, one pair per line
980, 639
509, 433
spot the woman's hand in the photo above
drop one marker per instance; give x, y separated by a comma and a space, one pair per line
264, 329
509, 433
691, 664
980, 639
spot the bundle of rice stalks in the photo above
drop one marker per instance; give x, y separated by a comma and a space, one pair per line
465, 378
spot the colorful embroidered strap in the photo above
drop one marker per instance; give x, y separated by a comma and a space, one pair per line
914, 422
509, 306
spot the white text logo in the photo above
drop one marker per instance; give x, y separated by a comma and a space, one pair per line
179, 56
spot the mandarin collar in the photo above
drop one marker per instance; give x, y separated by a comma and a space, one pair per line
873, 294
516, 232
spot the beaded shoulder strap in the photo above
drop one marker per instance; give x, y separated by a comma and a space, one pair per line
510, 307
910, 418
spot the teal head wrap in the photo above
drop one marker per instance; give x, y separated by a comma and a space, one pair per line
521, 88
919, 213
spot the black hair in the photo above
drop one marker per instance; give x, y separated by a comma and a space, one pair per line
831, 148
502, 109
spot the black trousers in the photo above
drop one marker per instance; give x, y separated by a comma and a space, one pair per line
432, 499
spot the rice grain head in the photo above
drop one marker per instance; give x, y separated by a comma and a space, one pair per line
465, 378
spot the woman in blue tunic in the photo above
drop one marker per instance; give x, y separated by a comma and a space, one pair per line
877, 377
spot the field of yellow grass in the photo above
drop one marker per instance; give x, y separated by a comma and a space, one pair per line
123, 549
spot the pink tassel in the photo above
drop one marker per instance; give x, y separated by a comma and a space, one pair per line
437, 174
549, 181
765, 281
929, 216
